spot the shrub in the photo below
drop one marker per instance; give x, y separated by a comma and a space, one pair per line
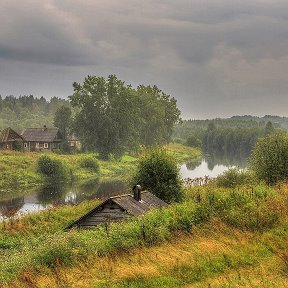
158, 172
90, 163
51, 167
234, 177
269, 159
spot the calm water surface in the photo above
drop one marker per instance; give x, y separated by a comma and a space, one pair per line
202, 170
60, 194
64, 194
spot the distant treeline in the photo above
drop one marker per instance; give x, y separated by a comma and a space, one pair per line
235, 135
28, 111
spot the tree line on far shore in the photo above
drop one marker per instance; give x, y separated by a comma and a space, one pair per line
225, 136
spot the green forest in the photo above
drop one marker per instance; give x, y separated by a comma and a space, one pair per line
28, 111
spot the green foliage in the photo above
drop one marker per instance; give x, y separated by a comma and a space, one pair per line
254, 208
28, 111
269, 159
37, 242
232, 136
51, 167
63, 119
112, 117
269, 128
157, 172
193, 141
158, 112
234, 177
90, 162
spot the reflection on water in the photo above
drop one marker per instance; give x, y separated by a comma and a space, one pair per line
51, 195
212, 165
9, 208
226, 159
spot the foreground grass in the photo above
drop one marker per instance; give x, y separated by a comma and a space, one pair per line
213, 255
227, 233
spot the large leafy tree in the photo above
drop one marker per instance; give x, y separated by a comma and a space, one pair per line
105, 121
113, 117
159, 114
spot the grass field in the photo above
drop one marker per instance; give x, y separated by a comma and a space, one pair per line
234, 237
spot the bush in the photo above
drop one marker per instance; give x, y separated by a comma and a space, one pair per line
269, 159
90, 163
234, 177
158, 172
51, 167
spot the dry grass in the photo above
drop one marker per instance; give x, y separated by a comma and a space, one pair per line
144, 262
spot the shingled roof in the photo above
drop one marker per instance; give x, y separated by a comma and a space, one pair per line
8, 135
129, 205
41, 134
136, 208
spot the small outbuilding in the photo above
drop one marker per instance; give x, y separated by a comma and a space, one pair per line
10, 140
120, 208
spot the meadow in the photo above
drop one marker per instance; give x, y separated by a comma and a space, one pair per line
231, 232
227, 237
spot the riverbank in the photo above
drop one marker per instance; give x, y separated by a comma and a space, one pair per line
229, 232
19, 172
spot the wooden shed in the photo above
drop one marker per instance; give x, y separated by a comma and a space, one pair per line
10, 140
120, 208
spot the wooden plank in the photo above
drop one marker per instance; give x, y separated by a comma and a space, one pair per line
103, 219
108, 214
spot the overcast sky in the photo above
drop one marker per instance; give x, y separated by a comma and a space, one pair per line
218, 58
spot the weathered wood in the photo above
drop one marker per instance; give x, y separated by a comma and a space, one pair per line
119, 208
101, 218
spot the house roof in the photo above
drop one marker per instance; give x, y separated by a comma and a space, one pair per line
40, 134
8, 135
136, 208
129, 204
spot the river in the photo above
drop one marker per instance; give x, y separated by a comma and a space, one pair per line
46, 196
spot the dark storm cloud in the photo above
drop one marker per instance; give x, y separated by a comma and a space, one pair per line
217, 57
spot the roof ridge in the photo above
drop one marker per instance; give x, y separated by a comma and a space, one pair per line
130, 194
41, 128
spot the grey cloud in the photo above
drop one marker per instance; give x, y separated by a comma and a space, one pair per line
205, 53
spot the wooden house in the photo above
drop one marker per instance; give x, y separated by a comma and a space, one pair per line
41, 139
120, 208
10, 140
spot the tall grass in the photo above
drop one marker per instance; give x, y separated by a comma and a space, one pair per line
256, 212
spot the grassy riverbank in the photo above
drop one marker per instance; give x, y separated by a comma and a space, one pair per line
231, 237
19, 170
